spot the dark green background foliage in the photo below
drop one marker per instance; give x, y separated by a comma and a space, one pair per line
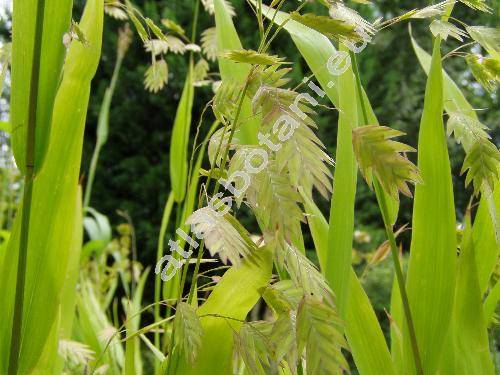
134, 167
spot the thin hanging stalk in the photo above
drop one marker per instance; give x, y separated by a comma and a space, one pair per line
15, 339
260, 20
270, 26
195, 21
390, 235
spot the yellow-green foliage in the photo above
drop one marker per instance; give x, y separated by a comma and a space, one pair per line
53, 211
269, 308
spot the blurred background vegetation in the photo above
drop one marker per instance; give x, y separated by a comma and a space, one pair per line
133, 171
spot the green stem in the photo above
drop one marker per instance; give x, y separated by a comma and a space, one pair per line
300, 369
16, 333
103, 122
270, 26
359, 89
90, 179
15, 340
260, 19
280, 27
195, 20
159, 251
400, 278
390, 234
4, 198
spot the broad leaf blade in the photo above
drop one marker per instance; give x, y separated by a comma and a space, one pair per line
68, 296
344, 193
484, 233
470, 332
485, 244
54, 196
57, 20
431, 271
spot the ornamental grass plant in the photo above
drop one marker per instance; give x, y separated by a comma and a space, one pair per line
282, 296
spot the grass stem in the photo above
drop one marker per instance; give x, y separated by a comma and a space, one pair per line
400, 277
102, 127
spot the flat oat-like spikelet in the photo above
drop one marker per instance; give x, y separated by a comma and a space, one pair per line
378, 155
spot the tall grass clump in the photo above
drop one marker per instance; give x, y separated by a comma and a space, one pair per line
285, 297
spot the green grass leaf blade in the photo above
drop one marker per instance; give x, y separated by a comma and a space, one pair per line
93, 327
180, 139
341, 226
57, 21
397, 328
455, 101
54, 196
431, 272
192, 194
485, 243
68, 296
472, 355
130, 345
491, 303
227, 40
364, 334
133, 359
63, 330
167, 211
